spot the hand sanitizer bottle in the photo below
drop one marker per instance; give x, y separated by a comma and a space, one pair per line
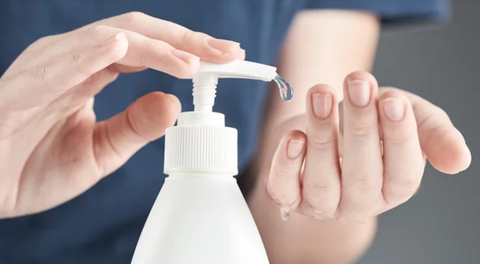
200, 215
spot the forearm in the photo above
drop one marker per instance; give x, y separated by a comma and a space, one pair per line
322, 47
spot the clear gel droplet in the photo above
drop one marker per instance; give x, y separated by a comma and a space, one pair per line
285, 212
286, 90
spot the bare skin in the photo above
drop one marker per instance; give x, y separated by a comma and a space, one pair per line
323, 158
53, 149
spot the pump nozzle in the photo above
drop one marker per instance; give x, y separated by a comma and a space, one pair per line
239, 70
200, 141
206, 79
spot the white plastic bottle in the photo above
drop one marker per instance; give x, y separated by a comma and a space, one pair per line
200, 215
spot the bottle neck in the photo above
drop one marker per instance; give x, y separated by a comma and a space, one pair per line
204, 92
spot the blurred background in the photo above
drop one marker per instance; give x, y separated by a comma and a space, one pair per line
441, 224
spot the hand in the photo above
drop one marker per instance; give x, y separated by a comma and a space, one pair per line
51, 147
373, 164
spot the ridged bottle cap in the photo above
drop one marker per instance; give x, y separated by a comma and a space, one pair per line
201, 143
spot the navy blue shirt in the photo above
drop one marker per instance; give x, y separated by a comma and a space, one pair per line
103, 224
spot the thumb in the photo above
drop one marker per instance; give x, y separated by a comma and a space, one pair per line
119, 137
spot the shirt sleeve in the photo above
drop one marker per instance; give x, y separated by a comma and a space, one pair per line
391, 11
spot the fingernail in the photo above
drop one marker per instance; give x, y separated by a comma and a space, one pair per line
295, 148
322, 105
394, 109
185, 56
359, 92
224, 46
113, 39
242, 54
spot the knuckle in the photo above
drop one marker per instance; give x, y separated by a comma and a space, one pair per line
41, 73
361, 130
322, 142
153, 50
92, 34
97, 29
362, 127
116, 51
134, 127
147, 44
41, 41
144, 59
81, 68
133, 17
42, 76
317, 191
94, 79
361, 181
357, 212
439, 113
323, 198
394, 141
397, 186
345, 218
281, 174
398, 137
395, 196
189, 36
76, 58
182, 74
186, 36
281, 198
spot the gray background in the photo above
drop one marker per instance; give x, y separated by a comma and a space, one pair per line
441, 223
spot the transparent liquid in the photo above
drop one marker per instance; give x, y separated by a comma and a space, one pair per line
285, 213
285, 89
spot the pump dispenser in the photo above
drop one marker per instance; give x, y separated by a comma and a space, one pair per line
200, 215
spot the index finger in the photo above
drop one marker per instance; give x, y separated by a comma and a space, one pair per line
41, 84
202, 45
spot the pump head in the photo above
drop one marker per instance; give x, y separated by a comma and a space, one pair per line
206, 79
200, 142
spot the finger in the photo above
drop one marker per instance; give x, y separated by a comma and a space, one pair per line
125, 69
340, 129
321, 180
362, 165
283, 183
158, 55
142, 53
202, 45
44, 83
68, 102
403, 158
442, 143
119, 137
